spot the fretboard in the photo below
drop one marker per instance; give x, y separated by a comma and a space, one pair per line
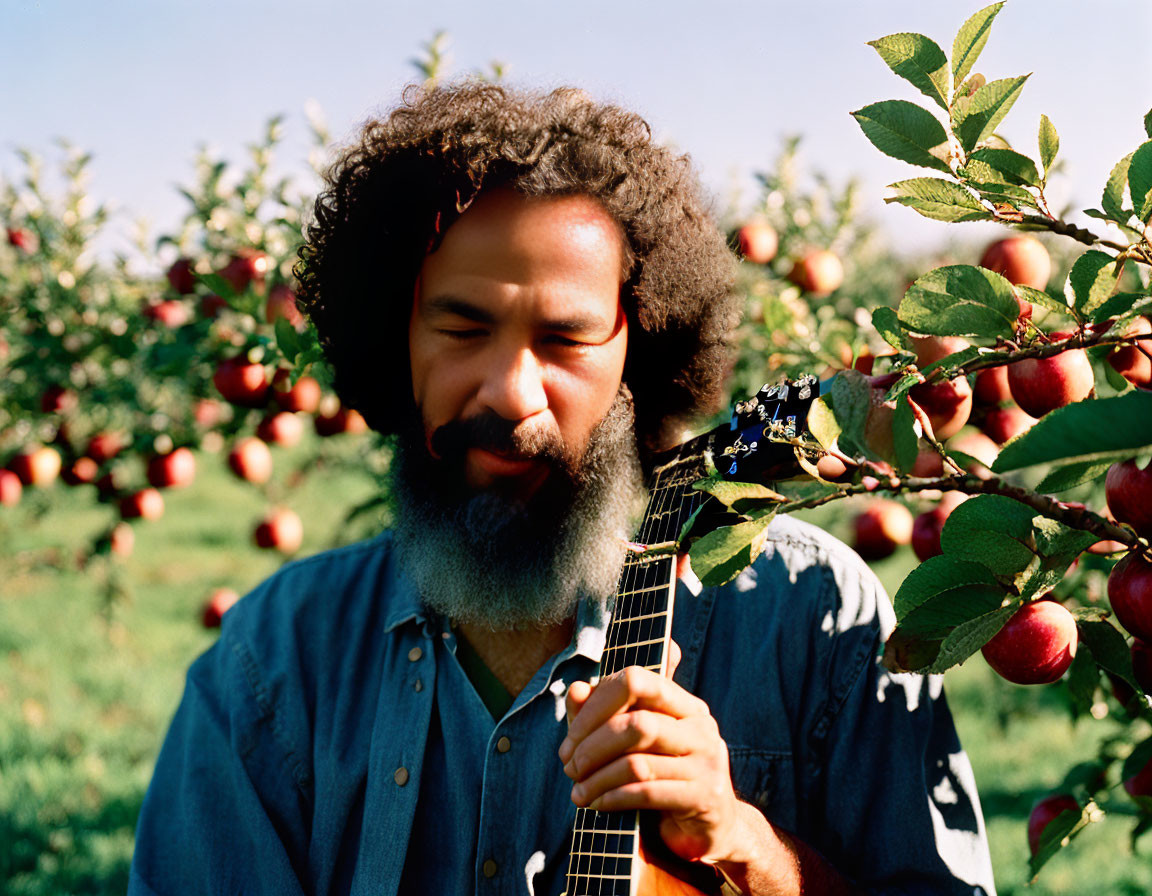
606, 845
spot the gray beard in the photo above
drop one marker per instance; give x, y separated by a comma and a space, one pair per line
481, 558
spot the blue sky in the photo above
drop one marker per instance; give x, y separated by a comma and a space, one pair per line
142, 83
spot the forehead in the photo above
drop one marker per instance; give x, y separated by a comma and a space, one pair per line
515, 238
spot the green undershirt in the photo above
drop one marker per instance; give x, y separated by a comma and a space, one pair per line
491, 692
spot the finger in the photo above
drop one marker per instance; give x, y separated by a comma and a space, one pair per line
578, 692
637, 732
675, 795
631, 688
674, 656
636, 768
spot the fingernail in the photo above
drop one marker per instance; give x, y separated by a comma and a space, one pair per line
570, 770
566, 749
578, 794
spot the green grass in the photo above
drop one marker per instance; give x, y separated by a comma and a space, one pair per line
88, 682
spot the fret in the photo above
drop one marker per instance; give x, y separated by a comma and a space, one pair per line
648, 589
604, 855
634, 644
626, 619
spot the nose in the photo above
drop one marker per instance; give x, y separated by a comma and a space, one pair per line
513, 385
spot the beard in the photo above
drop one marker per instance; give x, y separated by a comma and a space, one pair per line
492, 558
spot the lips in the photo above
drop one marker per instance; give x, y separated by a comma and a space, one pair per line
502, 463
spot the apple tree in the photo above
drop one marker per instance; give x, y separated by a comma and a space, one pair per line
1035, 550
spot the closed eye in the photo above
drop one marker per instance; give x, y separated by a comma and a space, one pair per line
463, 335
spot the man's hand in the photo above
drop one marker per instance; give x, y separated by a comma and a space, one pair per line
639, 741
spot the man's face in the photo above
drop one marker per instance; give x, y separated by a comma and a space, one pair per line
517, 319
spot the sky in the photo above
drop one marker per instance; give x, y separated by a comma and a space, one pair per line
143, 83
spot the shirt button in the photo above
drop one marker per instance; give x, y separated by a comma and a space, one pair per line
489, 868
418, 685
414, 654
503, 745
400, 776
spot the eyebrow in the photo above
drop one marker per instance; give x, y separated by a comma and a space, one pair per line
452, 305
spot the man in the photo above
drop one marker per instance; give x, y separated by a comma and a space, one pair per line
533, 298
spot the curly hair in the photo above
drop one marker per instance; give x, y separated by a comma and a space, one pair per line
392, 193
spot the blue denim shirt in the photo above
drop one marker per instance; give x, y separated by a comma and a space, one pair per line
329, 742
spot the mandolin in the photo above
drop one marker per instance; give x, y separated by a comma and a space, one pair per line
612, 854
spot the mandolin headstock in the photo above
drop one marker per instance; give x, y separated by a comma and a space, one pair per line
759, 442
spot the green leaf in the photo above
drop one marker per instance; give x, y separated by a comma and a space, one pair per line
216, 284
950, 363
1083, 677
904, 439
1140, 181
1108, 648
968, 637
1049, 143
905, 131
744, 494
919, 61
940, 200
960, 300
1092, 280
886, 322
944, 592
287, 339
1119, 305
902, 387
1063, 827
849, 400
1137, 759
722, 554
970, 41
1013, 166
992, 530
1072, 475
1043, 299
986, 109
1113, 199
1104, 429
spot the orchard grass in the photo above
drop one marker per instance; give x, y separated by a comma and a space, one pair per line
88, 684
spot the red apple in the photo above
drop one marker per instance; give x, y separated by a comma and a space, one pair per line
1128, 490
217, 604
948, 405
1035, 646
1021, 259
282, 428
1004, 424
207, 412
881, 528
818, 273
246, 268
1134, 362
928, 464
212, 305
757, 242
282, 303
146, 504
176, 469
81, 471
303, 396
36, 466
992, 386
181, 277
1142, 664
1140, 784
170, 312
20, 238
121, 540
831, 468
282, 530
932, 348
1044, 812
980, 448
57, 400
241, 382
1130, 593
250, 459
1040, 385
104, 446
342, 420
10, 488
926, 528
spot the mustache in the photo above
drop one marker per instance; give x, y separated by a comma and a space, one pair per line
492, 432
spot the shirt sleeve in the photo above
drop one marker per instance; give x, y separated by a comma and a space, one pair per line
224, 799
901, 811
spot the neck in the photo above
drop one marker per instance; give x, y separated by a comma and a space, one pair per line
514, 655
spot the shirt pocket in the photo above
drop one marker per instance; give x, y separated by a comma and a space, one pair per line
765, 779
